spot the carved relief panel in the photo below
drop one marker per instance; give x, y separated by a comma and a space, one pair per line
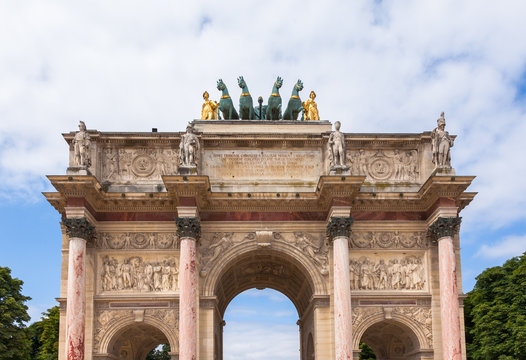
388, 272
142, 274
125, 165
385, 165
136, 240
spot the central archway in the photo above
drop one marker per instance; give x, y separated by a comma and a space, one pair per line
282, 269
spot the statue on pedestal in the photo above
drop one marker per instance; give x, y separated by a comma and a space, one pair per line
311, 108
209, 108
336, 151
188, 150
441, 144
81, 147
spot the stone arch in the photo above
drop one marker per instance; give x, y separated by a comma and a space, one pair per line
279, 249
303, 282
376, 330
153, 326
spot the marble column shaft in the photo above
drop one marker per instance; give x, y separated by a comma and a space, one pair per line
443, 230
188, 231
339, 231
79, 232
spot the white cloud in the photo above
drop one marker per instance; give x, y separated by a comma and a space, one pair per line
506, 248
253, 342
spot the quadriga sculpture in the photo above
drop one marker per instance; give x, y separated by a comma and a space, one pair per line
294, 107
274, 101
225, 103
246, 108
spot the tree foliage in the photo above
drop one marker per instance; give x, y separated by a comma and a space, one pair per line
161, 354
495, 313
366, 352
14, 343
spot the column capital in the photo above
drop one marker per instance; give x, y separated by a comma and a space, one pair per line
339, 226
444, 226
188, 227
79, 228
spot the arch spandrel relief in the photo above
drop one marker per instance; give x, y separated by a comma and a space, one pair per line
215, 245
137, 274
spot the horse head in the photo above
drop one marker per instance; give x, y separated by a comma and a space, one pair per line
241, 82
220, 85
278, 83
299, 85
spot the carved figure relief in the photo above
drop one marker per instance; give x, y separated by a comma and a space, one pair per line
389, 239
134, 273
212, 246
422, 316
318, 252
396, 273
128, 240
125, 164
385, 165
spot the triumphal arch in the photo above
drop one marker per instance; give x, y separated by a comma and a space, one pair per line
161, 230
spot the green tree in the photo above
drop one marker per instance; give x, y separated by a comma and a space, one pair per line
14, 344
161, 354
366, 352
495, 313
49, 338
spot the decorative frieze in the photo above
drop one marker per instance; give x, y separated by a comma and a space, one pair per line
138, 274
139, 240
387, 273
188, 227
79, 228
445, 226
385, 165
139, 165
389, 240
339, 226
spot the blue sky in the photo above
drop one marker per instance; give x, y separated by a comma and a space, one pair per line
376, 66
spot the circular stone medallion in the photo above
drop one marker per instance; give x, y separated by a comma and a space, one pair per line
380, 169
143, 165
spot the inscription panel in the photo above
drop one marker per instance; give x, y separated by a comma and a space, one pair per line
257, 164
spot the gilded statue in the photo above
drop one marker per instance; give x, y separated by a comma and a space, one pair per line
209, 108
441, 144
311, 108
81, 146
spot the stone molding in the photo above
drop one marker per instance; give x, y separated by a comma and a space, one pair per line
188, 227
79, 228
444, 227
339, 226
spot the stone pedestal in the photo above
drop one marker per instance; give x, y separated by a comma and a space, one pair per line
188, 230
443, 229
339, 229
79, 231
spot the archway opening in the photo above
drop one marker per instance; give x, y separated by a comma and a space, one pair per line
391, 340
266, 269
261, 324
136, 341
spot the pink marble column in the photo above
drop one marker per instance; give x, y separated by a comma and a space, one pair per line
339, 231
188, 229
79, 231
443, 230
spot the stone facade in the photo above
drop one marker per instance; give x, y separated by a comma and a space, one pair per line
172, 233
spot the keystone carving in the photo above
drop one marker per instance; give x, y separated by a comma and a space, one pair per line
445, 226
79, 228
188, 227
339, 226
